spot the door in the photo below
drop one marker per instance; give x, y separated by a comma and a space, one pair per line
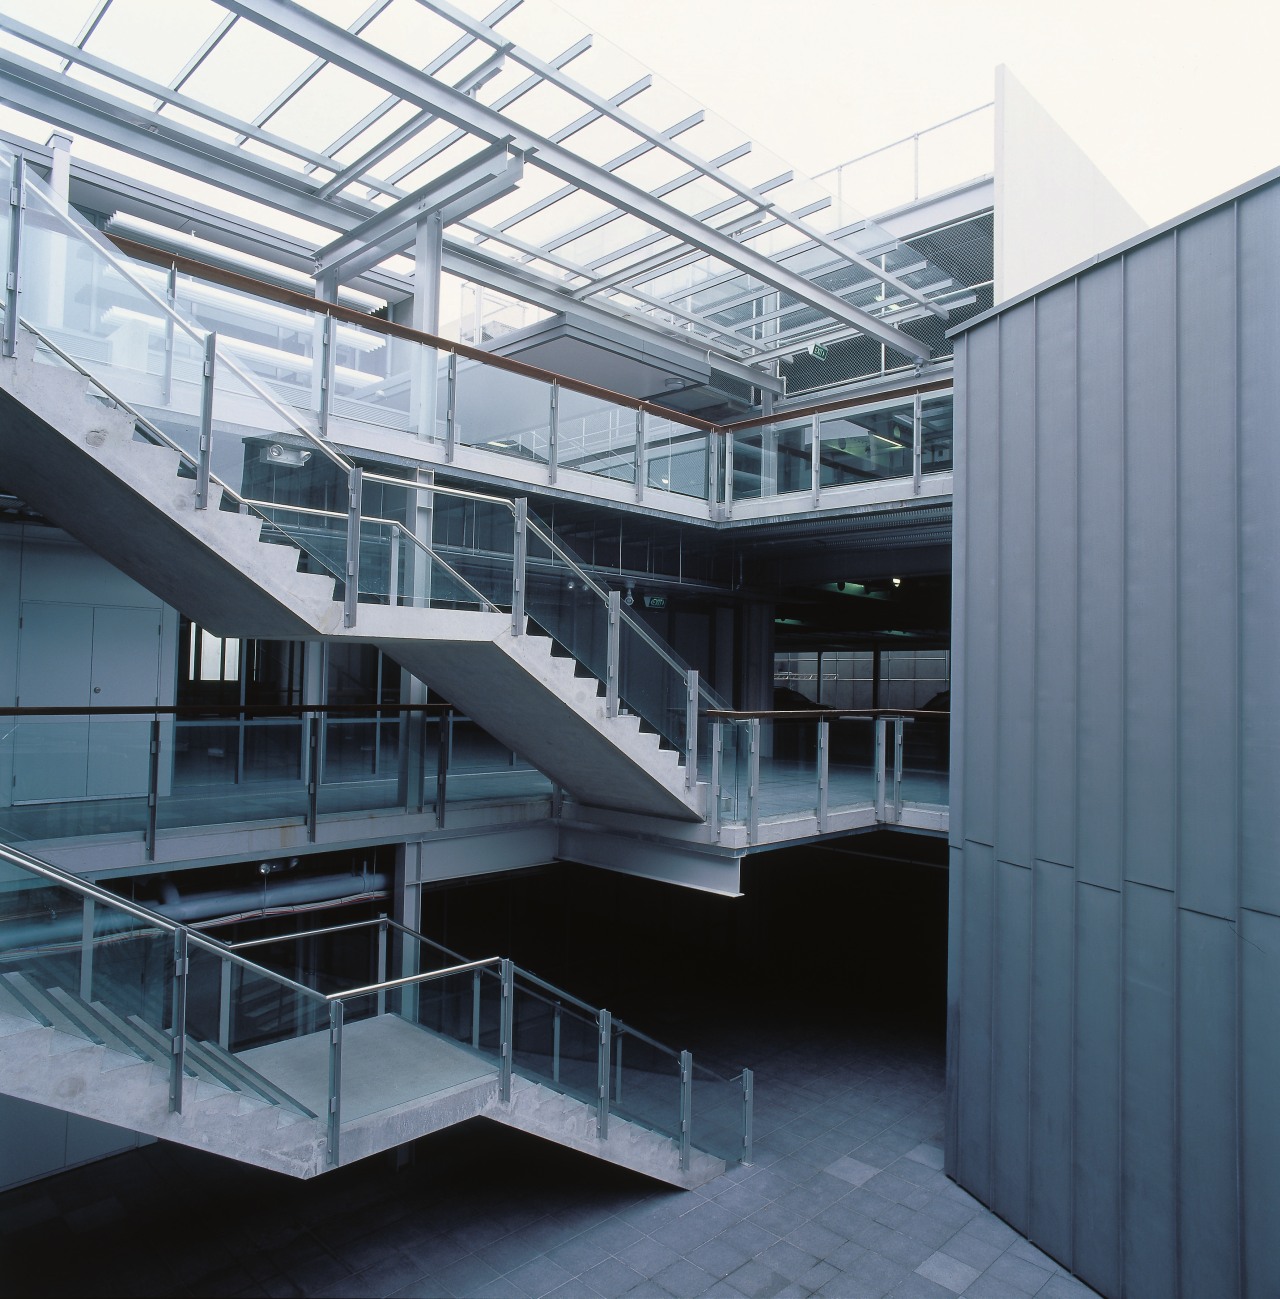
125, 673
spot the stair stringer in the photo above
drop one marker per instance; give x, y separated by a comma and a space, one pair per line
534, 702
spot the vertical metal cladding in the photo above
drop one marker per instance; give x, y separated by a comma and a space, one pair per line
1115, 972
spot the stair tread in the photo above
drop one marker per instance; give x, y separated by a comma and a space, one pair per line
141, 1044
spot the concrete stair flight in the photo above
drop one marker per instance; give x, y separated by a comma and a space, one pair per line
77, 460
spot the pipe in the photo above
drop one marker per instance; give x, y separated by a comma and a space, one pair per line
247, 902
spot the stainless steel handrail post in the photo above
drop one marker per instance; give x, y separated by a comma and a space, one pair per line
508, 1028
153, 788
313, 774
686, 1108
639, 456
897, 768
450, 423
748, 1113
351, 595
824, 773
171, 294
553, 433
880, 759
519, 565
205, 446
324, 367
13, 268
753, 779
691, 729
717, 752
86, 951
335, 1082
917, 447
225, 1006
382, 962
611, 663
604, 1021
178, 1058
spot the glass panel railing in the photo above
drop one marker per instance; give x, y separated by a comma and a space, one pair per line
936, 434
676, 458
717, 1117
498, 410
851, 778
595, 436
926, 759
774, 460
861, 445
566, 606
644, 1081
359, 762
476, 539
465, 1007
650, 686
555, 1042
478, 767
788, 767
234, 770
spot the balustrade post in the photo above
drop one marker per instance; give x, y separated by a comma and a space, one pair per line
686, 1108
224, 1005
691, 729
382, 961
153, 788
519, 565
13, 270
553, 434
748, 1113
178, 1059
604, 1022
639, 456
824, 773
898, 723
753, 779
508, 1028
355, 495
880, 758
335, 1082
614, 650
205, 445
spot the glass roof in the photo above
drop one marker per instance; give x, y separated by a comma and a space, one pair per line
634, 201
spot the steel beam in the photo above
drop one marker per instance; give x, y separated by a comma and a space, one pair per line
291, 22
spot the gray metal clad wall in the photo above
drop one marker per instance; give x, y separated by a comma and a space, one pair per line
1114, 1014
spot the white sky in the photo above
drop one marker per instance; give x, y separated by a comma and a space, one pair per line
1175, 102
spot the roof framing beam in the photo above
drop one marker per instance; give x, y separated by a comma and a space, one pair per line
455, 195
587, 96
293, 23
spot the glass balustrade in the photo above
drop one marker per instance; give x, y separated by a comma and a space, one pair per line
500, 411
719, 1117
644, 1082
555, 1041
595, 436
926, 759
866, 444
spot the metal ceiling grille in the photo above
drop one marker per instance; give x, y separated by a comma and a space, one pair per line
613, 192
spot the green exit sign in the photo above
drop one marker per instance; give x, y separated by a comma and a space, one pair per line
655, 602
817, 351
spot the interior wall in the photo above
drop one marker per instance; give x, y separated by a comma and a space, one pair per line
1114, 1004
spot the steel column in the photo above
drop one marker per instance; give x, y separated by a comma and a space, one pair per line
351, 597
614, 650
686, 1108
604, 1021
178, 1059
335, 1082
206, 420
13, 268
519, 565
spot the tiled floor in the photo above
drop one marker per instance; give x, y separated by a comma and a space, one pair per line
845, 1199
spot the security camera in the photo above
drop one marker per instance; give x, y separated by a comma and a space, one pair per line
629, 599
276, 454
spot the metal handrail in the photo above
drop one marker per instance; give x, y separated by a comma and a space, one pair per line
306, 933
819, 714
390, 523
906, 139
408, 979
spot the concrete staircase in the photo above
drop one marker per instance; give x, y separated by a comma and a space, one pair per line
75, 457
401, 1082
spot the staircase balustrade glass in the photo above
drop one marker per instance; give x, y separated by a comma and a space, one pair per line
644, 1081
555, 1041
718, 1117
501, 411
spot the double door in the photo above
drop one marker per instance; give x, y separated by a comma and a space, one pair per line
87, 657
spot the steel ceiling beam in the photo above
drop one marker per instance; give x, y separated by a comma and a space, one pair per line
587, 96
292, 22
455, 195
